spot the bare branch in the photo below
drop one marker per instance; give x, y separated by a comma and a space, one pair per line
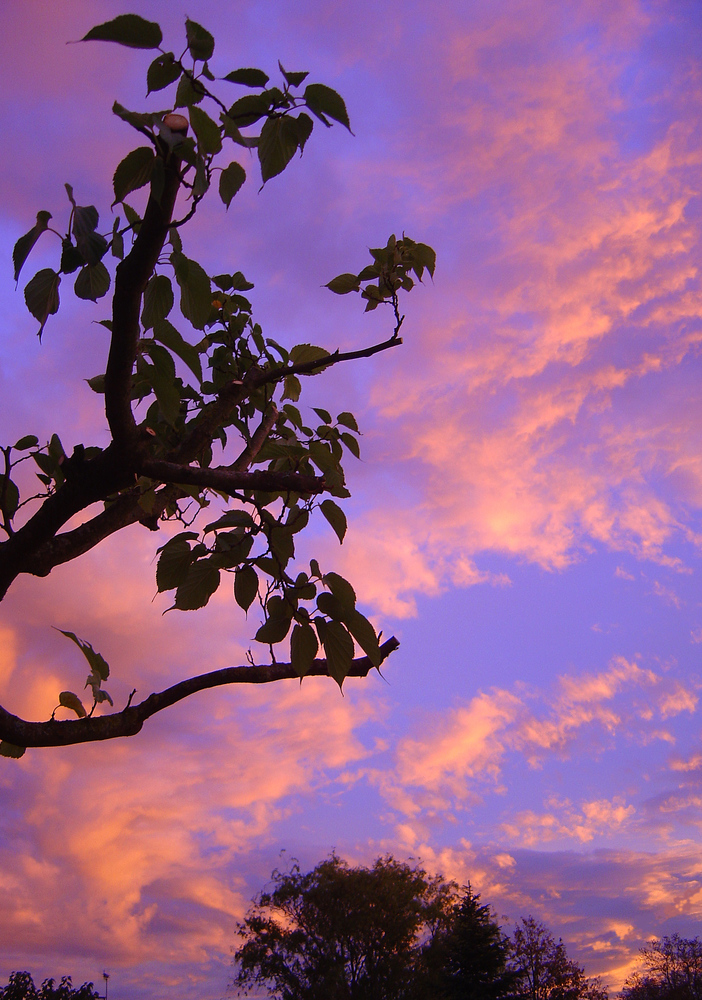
252, 449
129, 722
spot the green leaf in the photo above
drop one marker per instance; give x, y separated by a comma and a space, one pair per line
304, 129
245, 586
230, 180
97, 663
351, 443
28, 441
201, 581
343, 284
9, 497
291, 388
248, 77
127, 29
176, 556
189, 92
133, 172
303, 649
231, 519
92, 245
168, 335
138, 120
71, 257
161, 377
41, 295
338, 646
342, 591
272, 631
348, 420
292, 79
248, 109
328, 605
277, 146
207, 131
158, 300
364, 634
335, 516
302, 353
92, 282
10, 750
200, 41
97, 383
162, 71
324, 415
25, 243
323, 101
195, 290
72, 701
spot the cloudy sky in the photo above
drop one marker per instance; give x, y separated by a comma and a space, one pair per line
525, 518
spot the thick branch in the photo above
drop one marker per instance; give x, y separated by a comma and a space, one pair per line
130, 721
131, 278
257, 441
228, 480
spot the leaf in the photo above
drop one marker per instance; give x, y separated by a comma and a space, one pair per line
342, 591
335, 516
41, 295
343, 284
231, 519
245, 586
92, 282
272, 631
92, 245
200, 583
304, 129
162, 71
161, 377
277, 146
338, 646
127, 29
292, 79
98, 664
176, 556
133, 172
158, 300
291, 388
323, 101
28, 441
10, 750
195, 290
71, 257
302, 353
168, 335
248, 109
364, 634
348, 420
25, 243
351, 443
248, 77
9, 497
97, 383
303, 649
72, 701
200, 41
207, 131
324, 415
230, 180
189, 92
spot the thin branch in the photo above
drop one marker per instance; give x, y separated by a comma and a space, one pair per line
130, 720
260, 435
225, 479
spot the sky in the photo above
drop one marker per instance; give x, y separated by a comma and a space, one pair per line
525, 517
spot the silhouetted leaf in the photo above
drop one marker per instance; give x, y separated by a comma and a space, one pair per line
127, 29
28, 441
72, 701
274, 630
277, 145
92, 282
335, 516
168, 335
195, 290
10, 750
343, 284
325, 102
209, 137
158, 300
248, 77
245, 586
176, 556
9, 497
201, 581
133, 172
25, 243
338, 647
200, 41
41, 295
162, 71
97, 663
364, 634
230, 180
303, 649
292, 79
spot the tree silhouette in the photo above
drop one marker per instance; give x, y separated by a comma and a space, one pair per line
205, 430
672, 970
544, 969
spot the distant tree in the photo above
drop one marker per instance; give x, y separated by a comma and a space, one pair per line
21, 987
672, 970
468, 959
342, 933
544, 970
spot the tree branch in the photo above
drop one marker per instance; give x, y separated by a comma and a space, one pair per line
229, 480
129, 722
257, 441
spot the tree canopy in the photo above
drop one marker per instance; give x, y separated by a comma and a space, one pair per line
21, 987
207, 434
671, 969
544, 970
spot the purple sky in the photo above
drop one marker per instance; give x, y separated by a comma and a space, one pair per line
526, 517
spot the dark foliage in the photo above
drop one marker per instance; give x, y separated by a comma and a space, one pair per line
21, 987
672, 970
544, 970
